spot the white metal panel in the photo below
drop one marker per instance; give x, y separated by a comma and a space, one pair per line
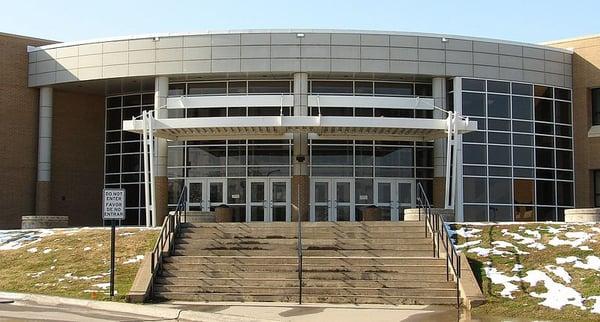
370, 101
226, 101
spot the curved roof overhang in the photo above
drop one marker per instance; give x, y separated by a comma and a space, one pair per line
280, 126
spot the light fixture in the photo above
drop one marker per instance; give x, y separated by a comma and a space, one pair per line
156, 38
300, 35
444, 39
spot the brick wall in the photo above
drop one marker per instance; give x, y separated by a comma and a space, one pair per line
18, 131
586, 75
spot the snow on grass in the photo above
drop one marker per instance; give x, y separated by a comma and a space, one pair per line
15, 239
32, 250
134, 260
575, 239
551, 267
47, 250
87, 249
499, 278
557, 294
468, 244
560, 272
465, 232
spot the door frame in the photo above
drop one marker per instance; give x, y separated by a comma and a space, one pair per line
206, 181
332, 203
268, 203
394, 201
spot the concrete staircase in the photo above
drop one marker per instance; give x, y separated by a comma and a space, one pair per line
344, 262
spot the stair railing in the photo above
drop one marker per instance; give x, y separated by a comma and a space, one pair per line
434, 224
165, 243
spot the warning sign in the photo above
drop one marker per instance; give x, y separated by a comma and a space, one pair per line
113, 206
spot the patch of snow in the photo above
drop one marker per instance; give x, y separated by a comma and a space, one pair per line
15, 239
468, 244
47, 250
52, 267
87, 249
36, 275
503, 244
563, 260
126, 234
501, 279
466, 232
585, 247
560, 272
517, 268
593, 262
32, 250
534, 233
102, 285
596, 307
575, 239
134, 260
557, 295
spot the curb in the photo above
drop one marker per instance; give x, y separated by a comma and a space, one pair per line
138, 309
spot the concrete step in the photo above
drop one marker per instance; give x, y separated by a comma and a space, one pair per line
276, 268
322, 246
313, 274
236, 297
306, 235
181, 251
275, 281
305, 241
240, 260
322, 224
317, 291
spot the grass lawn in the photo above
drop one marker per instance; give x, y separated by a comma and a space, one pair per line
537, 253
71, 262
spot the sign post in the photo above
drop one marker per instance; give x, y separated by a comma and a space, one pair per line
113, 209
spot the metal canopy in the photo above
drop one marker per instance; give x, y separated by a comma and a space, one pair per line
322, 126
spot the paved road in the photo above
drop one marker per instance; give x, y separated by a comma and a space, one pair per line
29, 311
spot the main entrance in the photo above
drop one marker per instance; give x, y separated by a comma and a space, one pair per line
206, 193
392, 196
268, 200
332, 199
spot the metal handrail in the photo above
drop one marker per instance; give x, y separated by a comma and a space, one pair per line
434, 223
166, 239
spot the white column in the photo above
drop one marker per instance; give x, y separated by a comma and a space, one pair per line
161, 186
161, 91
439, 146
458, 202
45, 134
44, 166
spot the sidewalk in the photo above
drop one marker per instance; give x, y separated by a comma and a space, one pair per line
228, 311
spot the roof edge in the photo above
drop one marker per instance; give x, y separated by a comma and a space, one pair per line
552, 42
337, 31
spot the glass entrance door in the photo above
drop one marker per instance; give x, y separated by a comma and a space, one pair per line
205, 194
268, 200
392, 196
332, 200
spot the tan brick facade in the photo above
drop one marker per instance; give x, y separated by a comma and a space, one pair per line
18, 130
77, 153
586, 75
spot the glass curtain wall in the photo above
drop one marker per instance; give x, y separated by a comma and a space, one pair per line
123, 157
519, 164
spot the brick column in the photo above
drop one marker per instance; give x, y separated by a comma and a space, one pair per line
300, 178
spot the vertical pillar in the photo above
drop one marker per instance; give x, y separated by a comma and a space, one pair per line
439, 145
43, 185
300, 178
161, 206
